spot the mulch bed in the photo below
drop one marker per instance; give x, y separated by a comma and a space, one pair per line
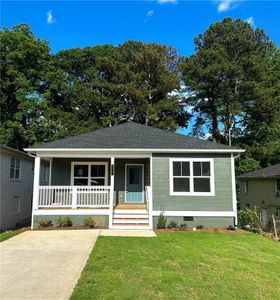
70, 228
206, 229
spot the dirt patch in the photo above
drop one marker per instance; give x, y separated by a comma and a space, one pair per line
206, 229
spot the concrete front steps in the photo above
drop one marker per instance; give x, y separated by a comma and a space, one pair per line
130, 219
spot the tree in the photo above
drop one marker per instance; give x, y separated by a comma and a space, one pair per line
109, 85
24, 59
231, 79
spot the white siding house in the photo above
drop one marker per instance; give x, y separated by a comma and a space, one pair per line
16, 179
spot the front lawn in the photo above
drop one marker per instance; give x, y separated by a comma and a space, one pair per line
9, 233
182, 265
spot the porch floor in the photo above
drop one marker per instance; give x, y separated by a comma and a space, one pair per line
130, 206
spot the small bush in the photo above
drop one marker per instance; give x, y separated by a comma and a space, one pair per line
172, 224
64, 222
89, 222
199, 226
183, 226
246, 217
161, 221
45, 223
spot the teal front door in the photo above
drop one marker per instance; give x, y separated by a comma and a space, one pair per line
134, 184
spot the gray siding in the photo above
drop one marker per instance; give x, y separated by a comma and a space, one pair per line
222, 201
205, 221
15, 188
100, 221
61, 169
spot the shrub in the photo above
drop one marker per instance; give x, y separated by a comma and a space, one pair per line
199, 226
172, 224
183, 226
246, 217
161, 221
45, 223
89, 222
64, 222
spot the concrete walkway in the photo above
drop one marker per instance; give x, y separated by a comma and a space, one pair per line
44, 264
128, 233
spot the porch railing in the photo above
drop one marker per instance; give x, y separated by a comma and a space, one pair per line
74, 197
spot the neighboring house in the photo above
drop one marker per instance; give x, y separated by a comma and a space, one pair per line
260, 191
16, 188
125, 175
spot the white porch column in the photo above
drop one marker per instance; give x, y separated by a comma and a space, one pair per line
36, 184
234, 200
50, 172
111, 209
151, 194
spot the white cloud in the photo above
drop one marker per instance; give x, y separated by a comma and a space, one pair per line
166, 1
225, 5
50, 17
250, 21
150, 13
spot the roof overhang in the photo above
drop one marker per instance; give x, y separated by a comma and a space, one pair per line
76, 152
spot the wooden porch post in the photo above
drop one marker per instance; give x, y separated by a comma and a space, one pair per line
111, 209
36, 184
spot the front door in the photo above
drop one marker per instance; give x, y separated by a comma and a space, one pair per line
134, 184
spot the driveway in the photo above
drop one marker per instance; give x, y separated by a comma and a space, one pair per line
44, 264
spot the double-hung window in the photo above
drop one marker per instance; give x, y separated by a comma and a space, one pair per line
91, 173
15, 168
191, 177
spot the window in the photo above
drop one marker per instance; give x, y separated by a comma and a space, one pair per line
277, 186
93, 173
15, 168
46, 173
191, 177
16, 205
246, 187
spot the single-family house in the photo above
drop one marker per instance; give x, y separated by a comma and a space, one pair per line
126, 175
260, 191
16, 181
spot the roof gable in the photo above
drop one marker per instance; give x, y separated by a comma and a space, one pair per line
131, 135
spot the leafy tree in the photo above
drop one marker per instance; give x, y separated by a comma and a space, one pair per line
109, 85
232, 78
24, 59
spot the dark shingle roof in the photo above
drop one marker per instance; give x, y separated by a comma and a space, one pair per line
132, 135
268, 172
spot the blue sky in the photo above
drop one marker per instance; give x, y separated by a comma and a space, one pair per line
67, 24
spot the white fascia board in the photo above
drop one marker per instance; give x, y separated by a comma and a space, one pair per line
121, 150
195, 213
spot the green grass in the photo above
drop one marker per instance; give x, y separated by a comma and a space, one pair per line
182, 265
8, 234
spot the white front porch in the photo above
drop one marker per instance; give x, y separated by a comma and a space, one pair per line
81, 200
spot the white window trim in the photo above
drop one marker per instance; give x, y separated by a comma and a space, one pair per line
91, 163
19, 176
192, 193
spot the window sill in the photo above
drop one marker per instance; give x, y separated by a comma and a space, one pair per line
192, 194
15, 180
